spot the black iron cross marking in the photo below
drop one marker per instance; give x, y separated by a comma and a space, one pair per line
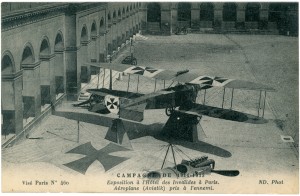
142, 71
102, 155
112, 103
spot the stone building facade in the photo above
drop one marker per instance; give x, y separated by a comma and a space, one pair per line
218, 17
44, 48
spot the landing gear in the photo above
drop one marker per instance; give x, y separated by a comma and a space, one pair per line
169, 110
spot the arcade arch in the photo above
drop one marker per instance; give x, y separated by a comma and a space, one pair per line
206, 12
229, 12
31, 84
11, 95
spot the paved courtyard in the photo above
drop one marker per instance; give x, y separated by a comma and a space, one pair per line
256, 150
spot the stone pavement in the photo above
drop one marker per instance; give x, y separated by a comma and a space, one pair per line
256, 150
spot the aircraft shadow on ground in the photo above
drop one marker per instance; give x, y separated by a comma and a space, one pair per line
137, 130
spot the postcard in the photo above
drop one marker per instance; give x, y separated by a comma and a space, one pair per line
150, 97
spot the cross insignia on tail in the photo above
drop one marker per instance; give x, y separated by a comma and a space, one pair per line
112, 103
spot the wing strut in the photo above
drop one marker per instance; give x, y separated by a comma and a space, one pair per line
98, 78
164, 84
128, 82
137, 86
259, 103
264, 104
103, 77
204, 96
231, 98
155, 85
223, 97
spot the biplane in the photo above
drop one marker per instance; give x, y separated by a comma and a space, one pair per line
178, 101
130, 105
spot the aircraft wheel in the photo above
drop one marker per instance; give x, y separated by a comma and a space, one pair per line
170, 110
134, 62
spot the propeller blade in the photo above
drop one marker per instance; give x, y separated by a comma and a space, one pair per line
230, 173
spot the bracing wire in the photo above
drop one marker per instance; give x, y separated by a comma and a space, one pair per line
183, 153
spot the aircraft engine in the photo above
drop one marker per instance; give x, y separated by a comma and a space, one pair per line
112, 103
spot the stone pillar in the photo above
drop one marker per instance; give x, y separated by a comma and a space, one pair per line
173, 19
195, 17
47, 78
143, 15
165, 24
93, 49
102, 44
264, 12
72, 67
12, 104
263, 16
31, 90
59, 72
218, 15
240, 16
83, 57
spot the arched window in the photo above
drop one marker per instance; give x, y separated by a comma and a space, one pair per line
59, 43
206, 12
184, 12
28, 56
108, 17
7, 65
101, 23
275, 11
84, 36
153, 12
229, 12
252, 12
45, 49
119, 14
93, 29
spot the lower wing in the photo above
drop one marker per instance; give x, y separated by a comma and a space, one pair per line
225, 114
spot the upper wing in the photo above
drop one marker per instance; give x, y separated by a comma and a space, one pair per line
185, 77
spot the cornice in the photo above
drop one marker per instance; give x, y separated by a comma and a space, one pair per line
16, 19
12, 76
19, 18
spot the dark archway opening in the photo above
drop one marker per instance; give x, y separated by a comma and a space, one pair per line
184, 12
206, 12
252, 12
229, 12
153, 12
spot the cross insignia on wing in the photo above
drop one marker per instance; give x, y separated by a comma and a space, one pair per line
103, 156
211, 81
144, 71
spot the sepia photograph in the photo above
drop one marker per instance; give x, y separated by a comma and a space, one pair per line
163, 97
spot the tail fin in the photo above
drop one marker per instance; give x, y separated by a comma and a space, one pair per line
118, 134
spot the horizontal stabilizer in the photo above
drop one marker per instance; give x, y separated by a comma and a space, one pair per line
135, 113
